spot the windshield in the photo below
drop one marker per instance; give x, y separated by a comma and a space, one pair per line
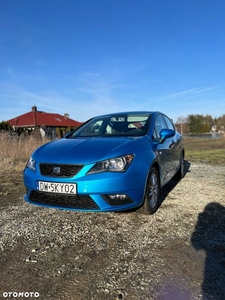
115, 125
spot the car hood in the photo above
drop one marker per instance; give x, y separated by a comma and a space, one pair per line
86, 150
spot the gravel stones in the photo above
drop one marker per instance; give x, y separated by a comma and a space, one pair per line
71, 255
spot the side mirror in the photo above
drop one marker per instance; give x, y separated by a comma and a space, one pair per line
165, 134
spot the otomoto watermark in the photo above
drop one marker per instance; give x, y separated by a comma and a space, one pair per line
20, 294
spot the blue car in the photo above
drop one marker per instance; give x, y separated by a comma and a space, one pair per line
113, 162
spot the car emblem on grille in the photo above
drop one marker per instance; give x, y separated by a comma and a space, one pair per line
56, 170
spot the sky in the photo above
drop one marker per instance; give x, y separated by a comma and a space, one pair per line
92, 57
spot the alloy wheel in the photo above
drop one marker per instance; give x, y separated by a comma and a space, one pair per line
153, 190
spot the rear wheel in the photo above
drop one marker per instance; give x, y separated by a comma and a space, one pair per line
151, 201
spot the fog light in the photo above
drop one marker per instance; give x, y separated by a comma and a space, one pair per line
118, 197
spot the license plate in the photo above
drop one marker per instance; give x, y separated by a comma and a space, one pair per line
58, 188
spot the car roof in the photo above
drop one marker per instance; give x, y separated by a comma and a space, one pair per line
130, 113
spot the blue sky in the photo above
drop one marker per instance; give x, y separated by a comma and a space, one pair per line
92, 57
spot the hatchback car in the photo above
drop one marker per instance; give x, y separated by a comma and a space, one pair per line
113, 162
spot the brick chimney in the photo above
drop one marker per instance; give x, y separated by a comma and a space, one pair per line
34, 108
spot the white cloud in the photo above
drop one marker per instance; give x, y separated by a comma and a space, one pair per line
191, 92
19, 101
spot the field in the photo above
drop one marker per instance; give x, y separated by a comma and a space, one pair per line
205, 150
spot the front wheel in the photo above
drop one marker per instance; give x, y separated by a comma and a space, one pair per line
151, 201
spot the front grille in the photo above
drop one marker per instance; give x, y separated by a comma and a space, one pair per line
64, 201
63, 170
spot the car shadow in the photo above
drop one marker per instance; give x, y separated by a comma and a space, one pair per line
172, 184
209, 235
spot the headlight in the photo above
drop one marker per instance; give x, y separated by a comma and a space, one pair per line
31, 164
117, 164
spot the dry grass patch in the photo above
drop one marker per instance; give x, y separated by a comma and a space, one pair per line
16, 151
14, 154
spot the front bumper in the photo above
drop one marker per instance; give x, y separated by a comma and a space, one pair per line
95, 192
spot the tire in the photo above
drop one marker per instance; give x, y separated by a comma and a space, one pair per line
180, 172
152, 192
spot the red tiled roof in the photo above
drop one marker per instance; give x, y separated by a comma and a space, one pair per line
40, 118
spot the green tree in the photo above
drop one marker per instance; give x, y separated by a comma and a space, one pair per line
220, 122
206, 127
5, 126
200, 123
196, 123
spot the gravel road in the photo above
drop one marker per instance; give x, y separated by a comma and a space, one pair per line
177, 253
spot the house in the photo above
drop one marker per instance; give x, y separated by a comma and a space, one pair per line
50, 124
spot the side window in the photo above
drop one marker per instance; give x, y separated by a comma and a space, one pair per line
159, 125
169, 123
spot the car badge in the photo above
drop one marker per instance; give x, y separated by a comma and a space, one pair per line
56, 170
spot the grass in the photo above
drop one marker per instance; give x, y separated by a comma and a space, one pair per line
205, 150
16, 151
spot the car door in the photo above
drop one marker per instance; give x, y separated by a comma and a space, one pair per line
164, 151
